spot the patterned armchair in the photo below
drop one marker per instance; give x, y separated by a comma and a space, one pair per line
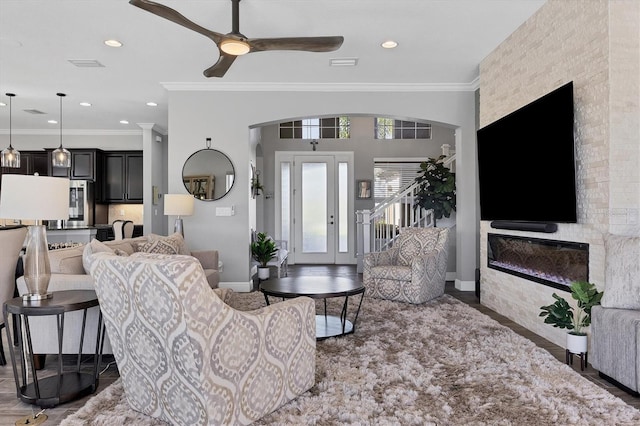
413, 270
188, 358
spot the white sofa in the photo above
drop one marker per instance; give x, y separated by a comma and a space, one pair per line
68, 273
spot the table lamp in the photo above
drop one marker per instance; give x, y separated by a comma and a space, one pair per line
178, 205
37, 198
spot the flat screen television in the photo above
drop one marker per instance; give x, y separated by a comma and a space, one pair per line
526, 162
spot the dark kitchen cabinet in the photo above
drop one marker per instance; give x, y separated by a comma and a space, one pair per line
86, 164
123, 177
31, 162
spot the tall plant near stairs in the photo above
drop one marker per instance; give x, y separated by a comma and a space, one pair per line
437, 187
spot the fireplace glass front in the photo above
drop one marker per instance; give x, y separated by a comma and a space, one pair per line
549, 262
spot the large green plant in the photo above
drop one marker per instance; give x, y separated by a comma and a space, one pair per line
263, 249
560, 314
437, 187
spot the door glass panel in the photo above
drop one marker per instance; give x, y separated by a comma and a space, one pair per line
343, 199
285, 202
314, 207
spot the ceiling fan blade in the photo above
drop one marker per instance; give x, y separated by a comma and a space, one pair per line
174, 16
221, 67
308, 44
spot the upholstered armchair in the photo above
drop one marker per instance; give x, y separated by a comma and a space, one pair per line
188, 358
413, 270
11, 241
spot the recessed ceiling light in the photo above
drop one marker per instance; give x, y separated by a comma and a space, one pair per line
52, 122
152, 104
389, 44
87, 104
124, 122
113, 43
2, 104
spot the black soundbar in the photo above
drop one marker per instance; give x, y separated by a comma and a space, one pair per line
525, 226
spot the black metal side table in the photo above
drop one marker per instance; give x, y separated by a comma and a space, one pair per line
65, 385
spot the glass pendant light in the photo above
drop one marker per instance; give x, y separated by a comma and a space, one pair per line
61, 157
10, 156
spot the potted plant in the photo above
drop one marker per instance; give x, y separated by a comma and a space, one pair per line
437, 188
560, 314
263, 249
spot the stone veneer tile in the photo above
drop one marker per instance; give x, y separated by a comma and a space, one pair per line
594, 44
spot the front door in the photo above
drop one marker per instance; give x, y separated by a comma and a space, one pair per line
314, 206
314, 197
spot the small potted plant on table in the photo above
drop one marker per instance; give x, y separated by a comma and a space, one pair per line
263, 249
560, 314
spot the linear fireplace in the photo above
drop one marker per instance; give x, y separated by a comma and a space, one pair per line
549, 262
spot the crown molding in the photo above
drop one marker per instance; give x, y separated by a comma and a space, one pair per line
320, 87
72, 132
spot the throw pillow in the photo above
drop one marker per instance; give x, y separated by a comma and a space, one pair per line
173, 244
622, 273
94, 246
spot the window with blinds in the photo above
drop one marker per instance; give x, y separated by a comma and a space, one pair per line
392, 176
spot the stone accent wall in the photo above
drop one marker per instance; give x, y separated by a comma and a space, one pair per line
595, 44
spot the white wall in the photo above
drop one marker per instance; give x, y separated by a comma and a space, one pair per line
226, 116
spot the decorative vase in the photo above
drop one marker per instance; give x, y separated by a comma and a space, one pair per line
263, 273
576, 344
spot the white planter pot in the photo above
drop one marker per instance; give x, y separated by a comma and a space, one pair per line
263, 273
576, 344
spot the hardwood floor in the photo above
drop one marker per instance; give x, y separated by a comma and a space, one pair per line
12, 409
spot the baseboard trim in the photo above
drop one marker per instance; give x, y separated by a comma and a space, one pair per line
240, 287
465, 285
618, 384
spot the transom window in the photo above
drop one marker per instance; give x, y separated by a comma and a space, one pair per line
316, 128
388, 128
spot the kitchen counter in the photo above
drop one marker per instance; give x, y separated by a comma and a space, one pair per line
84, 234
81, 235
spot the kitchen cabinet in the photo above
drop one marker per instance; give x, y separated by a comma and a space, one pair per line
86, 164
123, 177
31, 162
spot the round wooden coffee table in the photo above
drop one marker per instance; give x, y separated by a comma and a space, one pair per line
319, 288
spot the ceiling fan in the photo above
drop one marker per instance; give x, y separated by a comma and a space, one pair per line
234, 44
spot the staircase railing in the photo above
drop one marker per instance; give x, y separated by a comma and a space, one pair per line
378, 228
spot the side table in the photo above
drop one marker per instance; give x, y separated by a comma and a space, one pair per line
65, 385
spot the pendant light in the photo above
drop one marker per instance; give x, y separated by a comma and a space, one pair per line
10, 156
61, 157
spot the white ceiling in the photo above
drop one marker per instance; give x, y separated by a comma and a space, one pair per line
440, 42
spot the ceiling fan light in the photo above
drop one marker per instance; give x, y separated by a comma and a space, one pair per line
234, 47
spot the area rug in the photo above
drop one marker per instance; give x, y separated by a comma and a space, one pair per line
440, 363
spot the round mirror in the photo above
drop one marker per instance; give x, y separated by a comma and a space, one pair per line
208, 174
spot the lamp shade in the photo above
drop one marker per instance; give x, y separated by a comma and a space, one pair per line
34, 197
178, 204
